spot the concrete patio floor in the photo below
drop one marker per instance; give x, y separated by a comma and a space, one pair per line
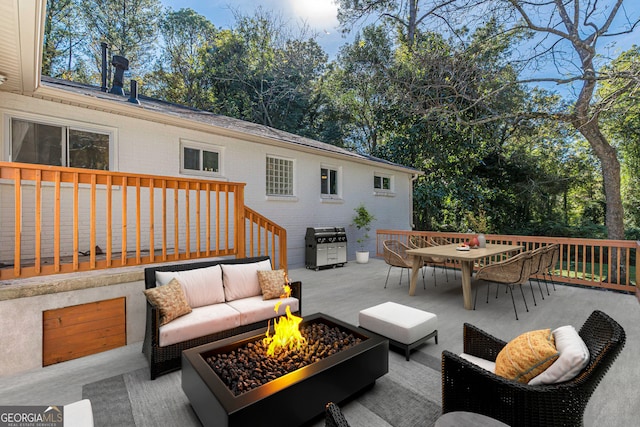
342, 292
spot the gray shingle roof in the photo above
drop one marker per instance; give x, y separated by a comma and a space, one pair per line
205, 117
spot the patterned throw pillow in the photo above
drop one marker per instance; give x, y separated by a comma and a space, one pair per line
170, 300
272, 283
527, 355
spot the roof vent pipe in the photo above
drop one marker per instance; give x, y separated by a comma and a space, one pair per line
133, 96
104, 46
122, 64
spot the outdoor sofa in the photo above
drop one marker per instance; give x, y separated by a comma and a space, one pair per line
223, 301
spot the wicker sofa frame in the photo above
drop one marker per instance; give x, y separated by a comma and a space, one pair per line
163, 360
467, 387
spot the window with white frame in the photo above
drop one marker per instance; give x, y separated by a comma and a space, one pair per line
200, 159
56, 145
382, 182
329, 181
279, 176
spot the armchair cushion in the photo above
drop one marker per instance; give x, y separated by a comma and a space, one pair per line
527, 355
574, 356
170, 300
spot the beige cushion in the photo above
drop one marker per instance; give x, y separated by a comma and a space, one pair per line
202, 286
527, 355
170, 300
241, 280
271, 283
256, 309
574, 356
200, 322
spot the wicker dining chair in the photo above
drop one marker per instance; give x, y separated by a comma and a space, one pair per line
395, 254
549, 261
417, 242
468, 387
511, 272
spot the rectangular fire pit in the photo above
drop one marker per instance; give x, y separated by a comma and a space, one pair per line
292, 399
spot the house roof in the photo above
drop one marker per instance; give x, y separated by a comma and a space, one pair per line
154, 109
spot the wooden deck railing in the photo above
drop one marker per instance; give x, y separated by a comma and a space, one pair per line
62, 220
586, 262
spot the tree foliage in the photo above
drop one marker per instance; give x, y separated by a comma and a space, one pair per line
463, 90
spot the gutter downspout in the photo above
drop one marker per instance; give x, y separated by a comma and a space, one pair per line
413, 179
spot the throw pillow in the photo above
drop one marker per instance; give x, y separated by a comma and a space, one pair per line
201, 286
241, 280
272, 283
527, 355
170, 300
574, 356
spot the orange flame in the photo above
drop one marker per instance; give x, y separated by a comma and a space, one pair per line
286, 329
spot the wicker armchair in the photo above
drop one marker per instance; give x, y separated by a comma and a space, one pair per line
395, 254
416, 242
512, 272
334, 417
537, 259
467, 387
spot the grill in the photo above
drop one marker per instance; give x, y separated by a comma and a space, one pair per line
325, 246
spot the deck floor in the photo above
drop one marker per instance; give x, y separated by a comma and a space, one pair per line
342, 292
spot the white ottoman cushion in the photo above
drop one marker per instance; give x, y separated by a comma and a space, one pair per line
398, 322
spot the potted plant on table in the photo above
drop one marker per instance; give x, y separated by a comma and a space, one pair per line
362, 220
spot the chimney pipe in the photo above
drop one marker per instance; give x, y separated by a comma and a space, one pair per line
104, 46
133, 96
122, 64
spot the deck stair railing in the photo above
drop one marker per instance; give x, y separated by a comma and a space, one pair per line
606, 264
63, 220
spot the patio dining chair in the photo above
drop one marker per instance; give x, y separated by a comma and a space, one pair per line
549, 261
468, 387
511, 272
417, 242
395, 254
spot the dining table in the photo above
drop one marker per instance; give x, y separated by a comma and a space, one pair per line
466, 256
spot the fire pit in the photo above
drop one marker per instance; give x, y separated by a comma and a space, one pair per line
299, 396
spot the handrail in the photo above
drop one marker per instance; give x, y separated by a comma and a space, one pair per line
606, 264
63, 220
265, 237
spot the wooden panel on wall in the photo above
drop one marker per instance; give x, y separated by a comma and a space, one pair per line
80, 330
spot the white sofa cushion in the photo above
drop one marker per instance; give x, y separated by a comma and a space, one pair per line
255, 309
201, 286
241, 280
574, 356
200, 322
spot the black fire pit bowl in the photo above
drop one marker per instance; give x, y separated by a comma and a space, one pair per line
292, 399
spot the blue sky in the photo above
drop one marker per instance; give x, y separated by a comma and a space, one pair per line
319, 15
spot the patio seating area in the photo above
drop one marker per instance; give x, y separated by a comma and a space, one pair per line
343, 292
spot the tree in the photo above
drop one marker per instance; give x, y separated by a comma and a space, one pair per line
621, 121
562, 49
408, 15
129, 27
61, 37
179, 74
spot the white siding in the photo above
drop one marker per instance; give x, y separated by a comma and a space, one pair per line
153, 148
